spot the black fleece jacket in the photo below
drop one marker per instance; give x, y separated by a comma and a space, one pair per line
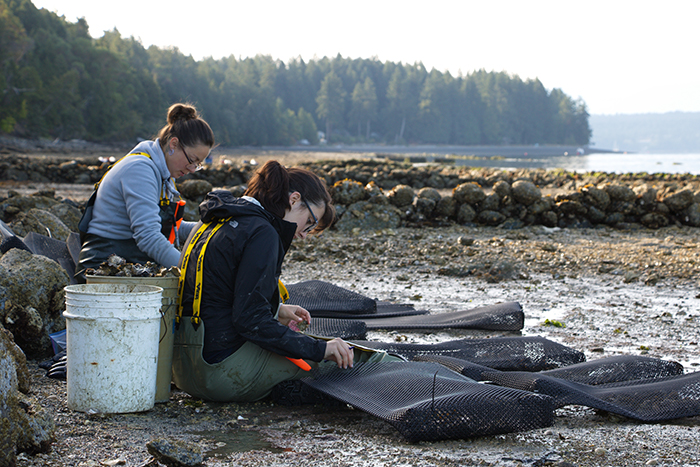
240, 294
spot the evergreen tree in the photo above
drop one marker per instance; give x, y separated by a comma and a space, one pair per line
364, 106
331, 102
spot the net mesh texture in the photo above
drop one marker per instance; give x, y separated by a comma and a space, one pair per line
641, 388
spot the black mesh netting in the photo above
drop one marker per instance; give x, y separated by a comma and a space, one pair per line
318, 297
427, 402
52, 248
325, 300
344, 328
502, 353
506, 316
645, 389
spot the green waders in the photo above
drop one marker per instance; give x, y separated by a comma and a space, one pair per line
249, 374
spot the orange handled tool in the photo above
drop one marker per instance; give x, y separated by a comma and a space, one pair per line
300, 363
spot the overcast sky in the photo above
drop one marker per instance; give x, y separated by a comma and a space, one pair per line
619, 56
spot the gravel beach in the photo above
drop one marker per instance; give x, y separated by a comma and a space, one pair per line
614, 292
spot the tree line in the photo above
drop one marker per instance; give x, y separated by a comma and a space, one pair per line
59, 82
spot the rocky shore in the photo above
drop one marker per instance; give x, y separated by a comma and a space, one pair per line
613, 259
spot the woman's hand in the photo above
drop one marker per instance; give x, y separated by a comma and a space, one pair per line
289, 313
340, 352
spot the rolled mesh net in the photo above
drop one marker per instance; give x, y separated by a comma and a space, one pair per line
319, 297
502, 353
641, 388
325, 300
506, 316
427, 402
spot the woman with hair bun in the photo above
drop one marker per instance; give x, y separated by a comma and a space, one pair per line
233, 341
135, 211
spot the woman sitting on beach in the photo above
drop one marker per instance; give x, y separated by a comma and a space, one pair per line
234, 342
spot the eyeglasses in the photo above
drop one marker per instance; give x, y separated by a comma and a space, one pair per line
197, 166
312, 226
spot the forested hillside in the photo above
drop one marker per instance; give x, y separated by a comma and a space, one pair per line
58, 82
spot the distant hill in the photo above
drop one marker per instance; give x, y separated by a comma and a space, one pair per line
656, 133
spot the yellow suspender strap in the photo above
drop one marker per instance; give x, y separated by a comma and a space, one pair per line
284, 295
196, 304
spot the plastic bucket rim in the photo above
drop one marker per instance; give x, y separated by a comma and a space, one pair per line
77, 289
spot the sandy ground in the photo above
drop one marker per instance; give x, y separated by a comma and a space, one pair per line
616, 292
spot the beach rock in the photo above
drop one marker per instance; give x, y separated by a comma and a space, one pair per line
502, 188
595, 215
465, 214
492, 202
175, 453
367, 216
348, 192
446, 207
424, 206
32, 299
401, 195
573, 208
646, 196
429, 193
24, 425
194, 190
41, 222
375, 193
470, 193
68, 214
549, 219
39, 200
595, 197
614, 218
504, 270
540, 206
490, 217
654, 220
691, 216
620, 193
677, 202
525, 192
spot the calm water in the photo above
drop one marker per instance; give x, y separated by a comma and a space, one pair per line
613, 163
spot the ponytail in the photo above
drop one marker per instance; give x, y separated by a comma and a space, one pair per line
272, 184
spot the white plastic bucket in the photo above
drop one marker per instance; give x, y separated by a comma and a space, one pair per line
112, 347
167, 324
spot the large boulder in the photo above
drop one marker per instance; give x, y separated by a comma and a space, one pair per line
68, 214
368, 216
679, 201
39, 221
346, 192
24, 425
525, 192
194, 190
401, 196
32, 299
469, 192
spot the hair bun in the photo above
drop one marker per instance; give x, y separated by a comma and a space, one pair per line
181, 112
